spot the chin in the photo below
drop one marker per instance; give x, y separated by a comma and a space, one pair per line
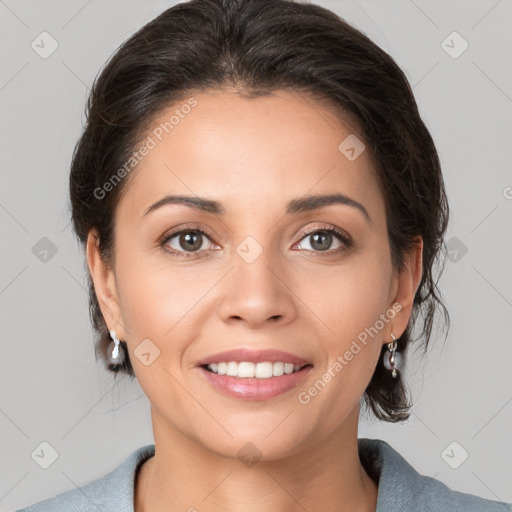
255, 446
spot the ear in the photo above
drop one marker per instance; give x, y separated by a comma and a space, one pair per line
104, 280
406, 285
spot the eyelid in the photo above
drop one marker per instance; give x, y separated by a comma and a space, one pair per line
346, 238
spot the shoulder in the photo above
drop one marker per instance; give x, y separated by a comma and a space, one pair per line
402, 488
111, 492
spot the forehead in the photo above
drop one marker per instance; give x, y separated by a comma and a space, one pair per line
250, 153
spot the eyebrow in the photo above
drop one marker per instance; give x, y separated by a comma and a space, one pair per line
295, 206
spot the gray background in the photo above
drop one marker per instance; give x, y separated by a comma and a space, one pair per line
51, 388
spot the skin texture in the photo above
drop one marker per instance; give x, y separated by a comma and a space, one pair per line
253, 155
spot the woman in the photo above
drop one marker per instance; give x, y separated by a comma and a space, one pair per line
262, 211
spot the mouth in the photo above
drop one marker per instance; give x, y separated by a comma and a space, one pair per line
253, 374
253, 382
250, 370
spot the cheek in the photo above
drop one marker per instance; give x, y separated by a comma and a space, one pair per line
350, 298
350, 303
154, 293
161, 302
350, 349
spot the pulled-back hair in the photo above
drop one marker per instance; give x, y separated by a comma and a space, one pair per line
256, 47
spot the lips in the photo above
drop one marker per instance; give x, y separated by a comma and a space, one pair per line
254, 356
254, 389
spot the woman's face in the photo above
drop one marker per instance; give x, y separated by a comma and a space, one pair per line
257, 280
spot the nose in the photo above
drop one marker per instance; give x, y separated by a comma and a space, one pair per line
257, 293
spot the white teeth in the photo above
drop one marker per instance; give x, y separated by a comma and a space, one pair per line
247, 369
263, 370
232, 369
278, 369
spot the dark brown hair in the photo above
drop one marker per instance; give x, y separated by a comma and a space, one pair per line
259, 46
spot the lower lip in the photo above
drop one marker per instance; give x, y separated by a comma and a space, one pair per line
256, 389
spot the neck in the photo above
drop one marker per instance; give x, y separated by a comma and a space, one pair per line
183, 475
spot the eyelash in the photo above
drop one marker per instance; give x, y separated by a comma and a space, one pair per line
340, 235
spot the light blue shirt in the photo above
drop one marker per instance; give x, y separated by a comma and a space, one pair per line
401, 487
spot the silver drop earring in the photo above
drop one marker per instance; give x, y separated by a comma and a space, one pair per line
115, 351
392, 359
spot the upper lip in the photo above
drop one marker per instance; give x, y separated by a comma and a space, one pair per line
255, 356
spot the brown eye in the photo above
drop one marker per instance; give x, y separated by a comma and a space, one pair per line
190, 240
321, 240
